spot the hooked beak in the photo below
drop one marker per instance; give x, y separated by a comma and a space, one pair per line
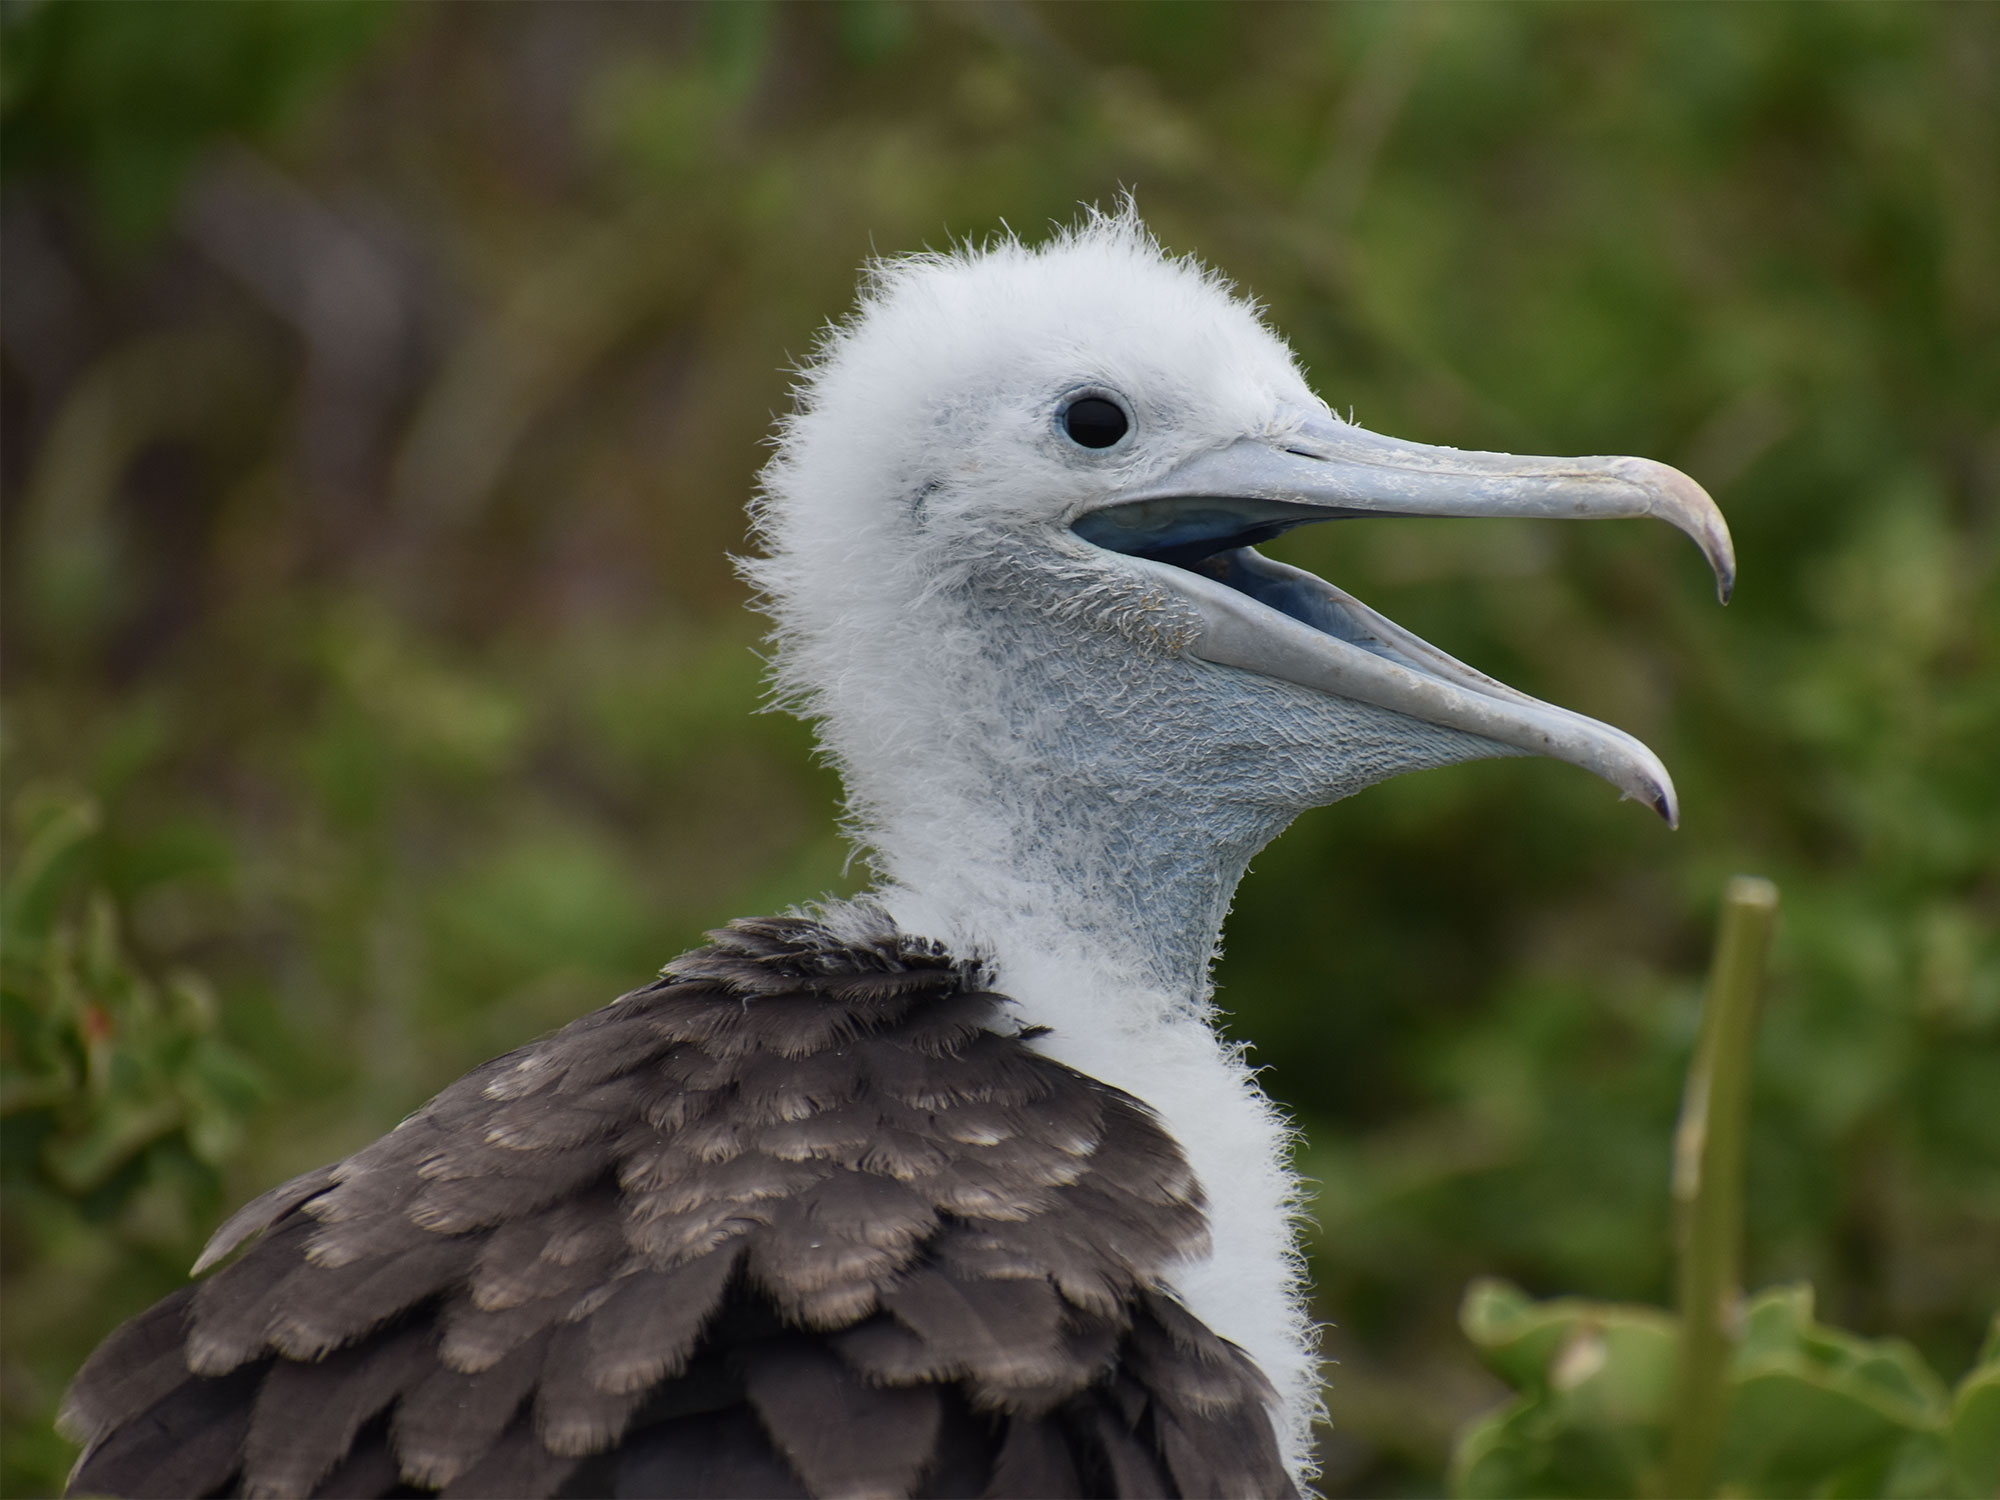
1194, 531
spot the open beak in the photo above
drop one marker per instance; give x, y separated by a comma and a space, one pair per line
1194, 531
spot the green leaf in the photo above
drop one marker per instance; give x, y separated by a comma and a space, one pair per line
1811, 1410
1789, 1424
1515, 1334
1595, 1379
54, 845
1814, 1409
85, 1160
1973, 1436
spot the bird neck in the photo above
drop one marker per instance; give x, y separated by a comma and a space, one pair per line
1101, 928
1052, 793
1122, 891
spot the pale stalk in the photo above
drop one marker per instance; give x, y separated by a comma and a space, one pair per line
1708, 1187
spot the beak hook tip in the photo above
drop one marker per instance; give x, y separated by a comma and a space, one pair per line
1723, 561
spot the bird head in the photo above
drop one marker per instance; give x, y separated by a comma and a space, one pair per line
1010, 543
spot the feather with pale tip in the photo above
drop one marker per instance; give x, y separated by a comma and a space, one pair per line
872, 1257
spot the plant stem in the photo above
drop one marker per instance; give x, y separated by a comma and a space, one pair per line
1708, 1185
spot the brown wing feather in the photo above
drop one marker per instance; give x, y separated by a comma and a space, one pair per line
843, 1435
190, 1442
369, 1469
306, 1415
141, 1363
1035, 1457
445, 1423
804, 1217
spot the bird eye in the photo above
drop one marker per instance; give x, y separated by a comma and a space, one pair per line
1094, 422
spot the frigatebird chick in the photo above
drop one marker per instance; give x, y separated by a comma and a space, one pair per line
953, 1189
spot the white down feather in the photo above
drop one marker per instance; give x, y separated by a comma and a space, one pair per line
1033, 765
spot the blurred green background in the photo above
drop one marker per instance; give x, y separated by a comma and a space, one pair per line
382, 387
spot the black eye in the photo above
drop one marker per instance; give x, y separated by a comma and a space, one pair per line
1094, 422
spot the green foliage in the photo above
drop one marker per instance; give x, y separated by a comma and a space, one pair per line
1811, 1410
1727, 1398
365, 567
126, 96
119, 1099
108, 1081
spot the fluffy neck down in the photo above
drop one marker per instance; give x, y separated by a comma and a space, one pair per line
1079, 807
1164, 1051
1102, 928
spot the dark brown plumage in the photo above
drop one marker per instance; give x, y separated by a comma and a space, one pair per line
807, 1217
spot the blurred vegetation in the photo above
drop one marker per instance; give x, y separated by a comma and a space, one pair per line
1727, 1394
1809, 1410
381, 390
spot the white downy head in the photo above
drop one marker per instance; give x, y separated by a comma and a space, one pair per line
1009, 545
1055, 676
